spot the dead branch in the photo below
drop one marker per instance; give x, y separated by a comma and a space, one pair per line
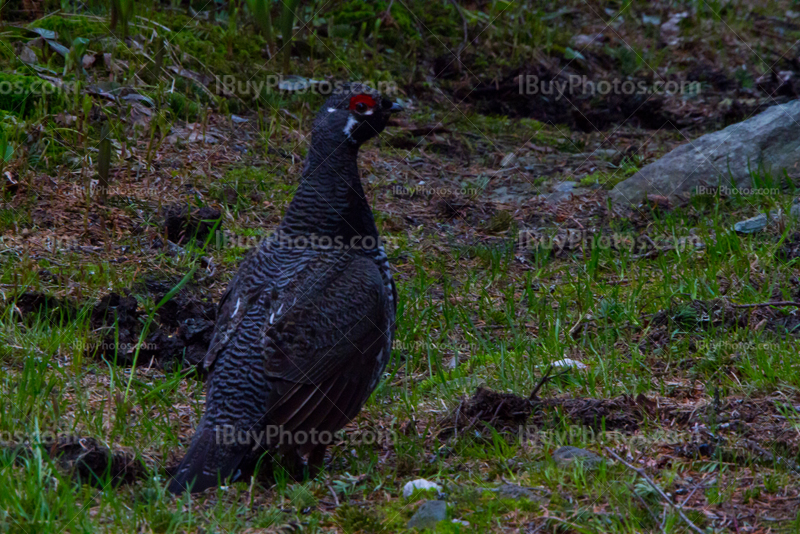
655, 486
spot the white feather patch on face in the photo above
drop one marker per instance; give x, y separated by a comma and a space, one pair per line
331, 110
352, 122
368, 112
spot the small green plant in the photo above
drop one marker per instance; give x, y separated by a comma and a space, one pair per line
121, 15
104, 161
261, 12
6, 151
287, 24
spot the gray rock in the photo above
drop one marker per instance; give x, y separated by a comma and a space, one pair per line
430, 513
568, 455
509, 160
565, 187
561, 191
751, 225
769, 139
605, 153
794, 213
757, 223
28, 56
510, 195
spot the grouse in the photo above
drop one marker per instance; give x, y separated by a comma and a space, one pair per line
305, 328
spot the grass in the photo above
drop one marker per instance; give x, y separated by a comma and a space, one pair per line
482, 308
645, 302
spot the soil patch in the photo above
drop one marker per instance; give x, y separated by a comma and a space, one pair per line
179, 335
184, 223
624, 413
503, 411
58, 311
87, 460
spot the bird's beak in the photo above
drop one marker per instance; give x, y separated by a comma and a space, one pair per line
396, 108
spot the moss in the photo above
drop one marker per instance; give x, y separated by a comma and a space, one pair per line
356, 12
182, 107
349, 18
19, 94
403, 18
354, 519
71, 27
208, 44
604, 179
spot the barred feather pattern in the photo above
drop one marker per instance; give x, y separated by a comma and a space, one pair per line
304, 333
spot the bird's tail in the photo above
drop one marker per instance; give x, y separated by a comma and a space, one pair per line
208, 464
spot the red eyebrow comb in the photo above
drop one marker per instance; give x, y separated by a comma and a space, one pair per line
358, 99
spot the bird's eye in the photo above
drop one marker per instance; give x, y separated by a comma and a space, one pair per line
361, 103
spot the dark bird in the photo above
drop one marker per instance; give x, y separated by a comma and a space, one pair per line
304, 331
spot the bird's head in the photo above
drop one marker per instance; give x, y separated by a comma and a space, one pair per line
355, 114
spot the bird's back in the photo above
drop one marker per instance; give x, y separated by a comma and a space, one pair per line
302, 340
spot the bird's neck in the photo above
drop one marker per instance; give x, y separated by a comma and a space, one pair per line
330, 201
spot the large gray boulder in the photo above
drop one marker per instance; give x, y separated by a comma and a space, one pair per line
770, 139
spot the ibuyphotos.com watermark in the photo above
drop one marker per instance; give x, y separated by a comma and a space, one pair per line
575, 85
113, 347
728, 191
428, 191
568, 435
276, 436
279, 240
230, 85
19, 88
44, 437
227, 86
737, 346
573, 239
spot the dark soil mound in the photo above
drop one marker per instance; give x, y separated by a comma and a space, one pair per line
184, 223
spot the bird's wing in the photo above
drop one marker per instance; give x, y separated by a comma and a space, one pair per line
247, 289
324, 352
340, 319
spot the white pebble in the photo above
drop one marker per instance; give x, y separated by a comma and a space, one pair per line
419, 484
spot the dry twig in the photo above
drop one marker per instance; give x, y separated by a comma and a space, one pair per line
655, 486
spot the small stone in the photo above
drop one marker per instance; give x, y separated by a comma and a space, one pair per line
568, 455
419, 484
582, 41
508, 160
561, 191
671, 30
653, 20
568, 363
751, 225
564, 187
428, 515
28, 56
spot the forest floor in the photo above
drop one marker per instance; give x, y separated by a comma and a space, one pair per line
672, 339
